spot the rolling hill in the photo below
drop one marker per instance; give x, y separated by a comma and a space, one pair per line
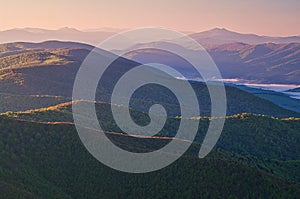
13, 103
262, 63
258, 63
294, 90
238, 128
278, 98
256, 156
55, 77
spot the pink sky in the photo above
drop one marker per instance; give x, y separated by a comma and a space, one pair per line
263, 17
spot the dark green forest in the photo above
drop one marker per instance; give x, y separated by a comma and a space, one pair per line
256, 157
49, 161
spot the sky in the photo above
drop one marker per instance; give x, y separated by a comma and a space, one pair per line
263, 17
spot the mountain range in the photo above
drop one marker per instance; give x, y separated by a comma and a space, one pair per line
49, 68
63, 34
219, 36
257, 63
215, 36
245, 57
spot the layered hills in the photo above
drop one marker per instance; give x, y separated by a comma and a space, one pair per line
256, 156
42, 156
94, 37
259, 63
50, 69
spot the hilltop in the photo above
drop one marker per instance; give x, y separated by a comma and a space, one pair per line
294, 90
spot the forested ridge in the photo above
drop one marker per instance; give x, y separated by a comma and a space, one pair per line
256, 156
49, 161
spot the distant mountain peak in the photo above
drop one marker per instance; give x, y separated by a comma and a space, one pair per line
218, 32
220, 29
217, 36
68, 29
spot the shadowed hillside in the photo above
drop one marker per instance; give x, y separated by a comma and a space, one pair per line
260, 63
54, 75
269, 143
48, 160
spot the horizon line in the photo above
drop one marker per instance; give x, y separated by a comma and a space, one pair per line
117, 30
